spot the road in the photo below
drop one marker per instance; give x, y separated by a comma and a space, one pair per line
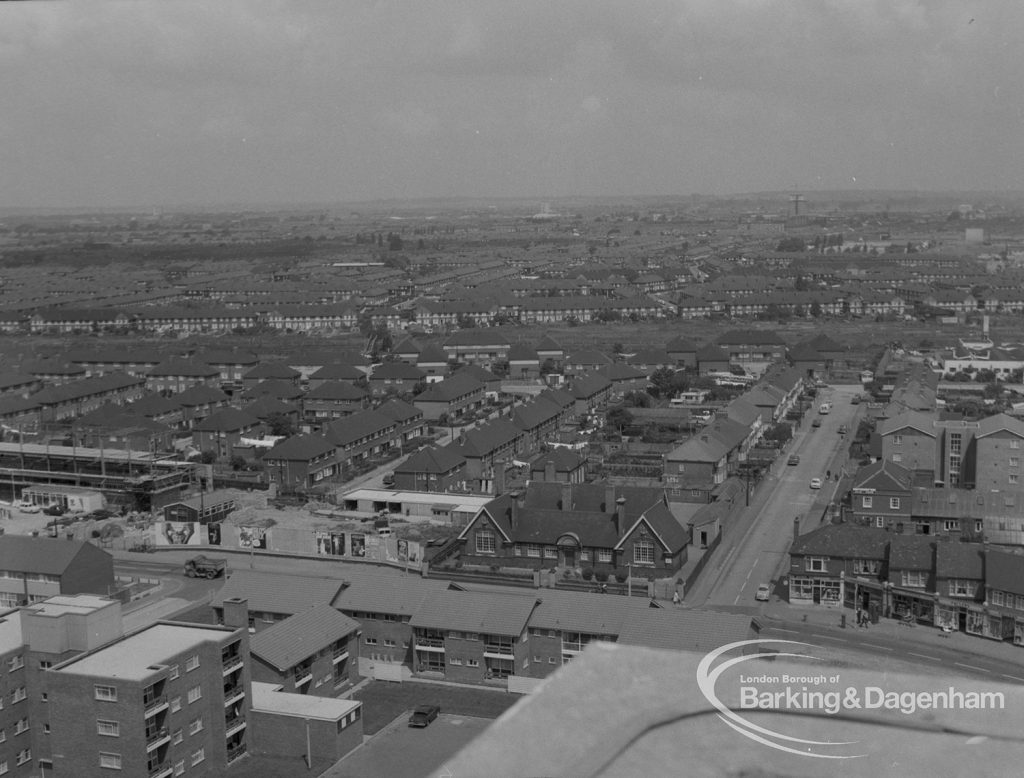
754, 549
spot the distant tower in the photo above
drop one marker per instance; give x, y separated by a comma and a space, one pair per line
796, 199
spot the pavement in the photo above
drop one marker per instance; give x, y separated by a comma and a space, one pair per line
778, 614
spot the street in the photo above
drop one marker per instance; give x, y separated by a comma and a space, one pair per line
754, 549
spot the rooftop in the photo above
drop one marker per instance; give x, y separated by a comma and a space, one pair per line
268, 698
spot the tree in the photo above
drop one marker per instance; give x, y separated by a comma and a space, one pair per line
662, 381
791, 244
208, 457
816, 309
636, 399
281, 424
619, 417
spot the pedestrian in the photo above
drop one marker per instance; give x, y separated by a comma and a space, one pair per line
675, 597
858, 617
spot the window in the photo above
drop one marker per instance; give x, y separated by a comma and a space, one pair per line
958, 588
3, 767
897, 457
643, 552
454, 660
532, 549
1014, 444
1014, 461
951, 525
996, 596
108, 728
880, 522
3, 732
196, 725
915, 578
21, 726
389, 643
817, 564
178, 736
46, 729
198, 756
195, 693
106, 693
174, 672
867, 502
44, 697
19, 694
15, 663
45, 664
551, 552
179, 767
897, 440
584, 555
370, 641
865, 566
979, 525
604, 555
175, 704
25, 755
485, 541
1014, 478
192, 663
894, 503
472, 663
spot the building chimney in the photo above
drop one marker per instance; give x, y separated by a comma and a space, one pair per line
514, 509
796, 527
549, 471
609, 498
566, 497
499, 479
620, 515
236, 612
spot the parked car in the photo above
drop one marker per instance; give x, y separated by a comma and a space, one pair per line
388, 479
816, 423
53, 509
764, 591
815, 483
793, 460
843, 429
855, 400
423, 715
27, 507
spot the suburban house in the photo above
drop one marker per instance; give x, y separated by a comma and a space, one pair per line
361, 436
882, 496
561, 465
223, 430
408, 417
270, 371
394, 378
431, 469
477, 346
300, 462
839, 564
330, 400
36, 568
270, 598
451, 398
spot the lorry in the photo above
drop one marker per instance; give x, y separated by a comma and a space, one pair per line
205, 567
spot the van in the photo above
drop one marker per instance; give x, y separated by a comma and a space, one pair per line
824, 408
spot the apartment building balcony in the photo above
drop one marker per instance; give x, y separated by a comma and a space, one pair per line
429, 644
339, 656
499, 651
232, 663
234, 725
153, 705
162, 770
233, 693
157, 737
302, 675
236, 753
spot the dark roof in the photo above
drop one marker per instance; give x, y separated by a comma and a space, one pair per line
681, 344
432, 460
883, 476
301, 448
481, 374
227, 420
358, 425
281, 388
338, 372
754, 337
452, 388
488, 336
911, 552
85, 388
619, 371
183, 367
711, 353
589, 385
399, 410
431, 354
847, 541
379, 591
335, 390
481, 441
266, 406
589, 357
199, 395
398, 370
565, 460
272, 370
476, 611
959, 560
1004, 571
547, 343
154, 405
277, 592
41, 555
301, 636
522, 353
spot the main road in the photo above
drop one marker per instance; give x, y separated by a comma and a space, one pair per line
754, 547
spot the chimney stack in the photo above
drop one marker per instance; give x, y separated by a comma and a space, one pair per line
796, 527
549, 471
566, 497
609, 498
236, 612
514, 509
620, 514
499, 478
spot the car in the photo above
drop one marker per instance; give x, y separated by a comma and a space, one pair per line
816, 423
423, 715
388, 479
855, 400
763, 592
843, 429
55, 509
27, 507
815, 483
793, 460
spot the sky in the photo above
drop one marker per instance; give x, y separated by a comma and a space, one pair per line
160, 102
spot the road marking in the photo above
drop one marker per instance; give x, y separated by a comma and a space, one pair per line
1013, 677
880, 648
925, 656
790, 631
972, 667
829, 637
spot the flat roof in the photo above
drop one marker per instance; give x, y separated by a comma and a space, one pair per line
134, 657
10, 630
60, 604
469, 502
268, 698
82, 452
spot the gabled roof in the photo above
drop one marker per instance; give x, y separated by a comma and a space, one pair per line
154, 405
277, 592
399, 410
299, 637
272, 370
301, 448
481, 441
548, 344
183, 367
1004, 571
911, 552
589, 385
376, 591
1000, 423
662, 525
477, 336
565, 460
407, 346
960, 560
439, 460
280, 388
432, 354
481, 374
845, 541
699, 448
227, 420
49, 556
883, 476
522, 353
619, 371
335, 390
922, 422
534, 414
266, 406
451, 388
199, 395
680, 344
358, 425
476, 611
338, 372
589, 357
742, 412
399, 370
712, 353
